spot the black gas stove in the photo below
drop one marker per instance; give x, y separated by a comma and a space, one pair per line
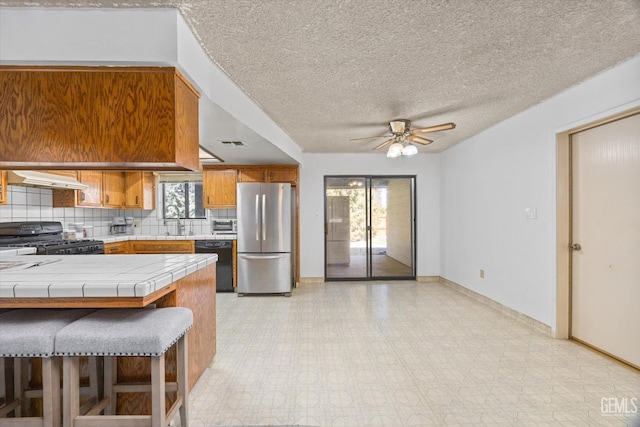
46, 237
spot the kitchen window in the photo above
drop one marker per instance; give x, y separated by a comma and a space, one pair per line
182, 200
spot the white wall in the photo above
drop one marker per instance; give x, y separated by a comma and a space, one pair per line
87, 36
489, 180
426, 168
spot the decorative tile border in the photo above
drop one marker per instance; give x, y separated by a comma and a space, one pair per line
509, 312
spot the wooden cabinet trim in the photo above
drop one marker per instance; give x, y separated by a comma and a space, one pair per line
4, 190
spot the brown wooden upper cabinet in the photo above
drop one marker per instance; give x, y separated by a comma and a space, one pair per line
219, 181
113, 189
92, 196
108, 189
219, 188
286, 174
4, 191
135, 118
140, 190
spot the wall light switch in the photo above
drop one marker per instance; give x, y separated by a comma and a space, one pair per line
532, 213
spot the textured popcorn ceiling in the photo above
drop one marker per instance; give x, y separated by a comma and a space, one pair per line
330, 70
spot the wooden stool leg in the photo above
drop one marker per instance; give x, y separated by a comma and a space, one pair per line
70, 390
110, 378
158, 395
20, 381
3, 383
50, 392
93, 378
183, 380
10, 403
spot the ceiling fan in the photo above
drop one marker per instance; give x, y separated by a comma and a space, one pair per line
401, 137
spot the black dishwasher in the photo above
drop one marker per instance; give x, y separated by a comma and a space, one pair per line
224, 267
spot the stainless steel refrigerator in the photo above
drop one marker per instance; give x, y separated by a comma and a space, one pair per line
264, 238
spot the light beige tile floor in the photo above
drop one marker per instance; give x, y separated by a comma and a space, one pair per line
399, 354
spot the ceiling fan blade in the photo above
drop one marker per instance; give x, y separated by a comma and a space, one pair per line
370, 137
387, 142
419, 140
436, 128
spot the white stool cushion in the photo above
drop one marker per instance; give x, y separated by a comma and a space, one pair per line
124, 332
31, 332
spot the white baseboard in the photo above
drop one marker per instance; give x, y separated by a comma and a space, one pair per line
428, 279
308, 280
509, 312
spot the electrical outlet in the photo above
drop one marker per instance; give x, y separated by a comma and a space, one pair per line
531, 213
482, 274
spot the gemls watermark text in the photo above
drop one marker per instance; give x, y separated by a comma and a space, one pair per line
619, 405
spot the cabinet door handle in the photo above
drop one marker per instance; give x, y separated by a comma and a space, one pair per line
107, 197
208, 200
136, 200
82, 196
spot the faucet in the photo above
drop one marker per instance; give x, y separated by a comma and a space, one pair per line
180, 227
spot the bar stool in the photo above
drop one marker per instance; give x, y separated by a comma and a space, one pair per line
125, 332
28, 333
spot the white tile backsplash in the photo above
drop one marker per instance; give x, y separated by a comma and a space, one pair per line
17, 197
36, 204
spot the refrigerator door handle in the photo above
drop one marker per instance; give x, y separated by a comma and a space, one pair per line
262, 256
264, 217
257, 218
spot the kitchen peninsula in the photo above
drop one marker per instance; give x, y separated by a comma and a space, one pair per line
98, 281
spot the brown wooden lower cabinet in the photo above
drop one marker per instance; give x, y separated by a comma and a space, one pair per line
161, 246
116, 248
150, 247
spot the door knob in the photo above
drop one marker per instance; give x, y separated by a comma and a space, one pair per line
575, 247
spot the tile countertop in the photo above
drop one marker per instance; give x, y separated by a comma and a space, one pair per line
95, 275
5, 251
125, 237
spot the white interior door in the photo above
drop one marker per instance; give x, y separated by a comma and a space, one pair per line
605, 282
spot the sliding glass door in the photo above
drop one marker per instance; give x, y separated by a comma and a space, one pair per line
369, 227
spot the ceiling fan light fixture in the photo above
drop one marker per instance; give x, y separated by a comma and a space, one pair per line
409, 150
399, 126
395, 149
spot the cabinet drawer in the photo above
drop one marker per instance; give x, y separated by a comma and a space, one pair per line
161, 246
116, 248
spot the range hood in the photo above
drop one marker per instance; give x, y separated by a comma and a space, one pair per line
44, 180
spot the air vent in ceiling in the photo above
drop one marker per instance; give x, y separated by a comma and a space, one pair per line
233, 143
